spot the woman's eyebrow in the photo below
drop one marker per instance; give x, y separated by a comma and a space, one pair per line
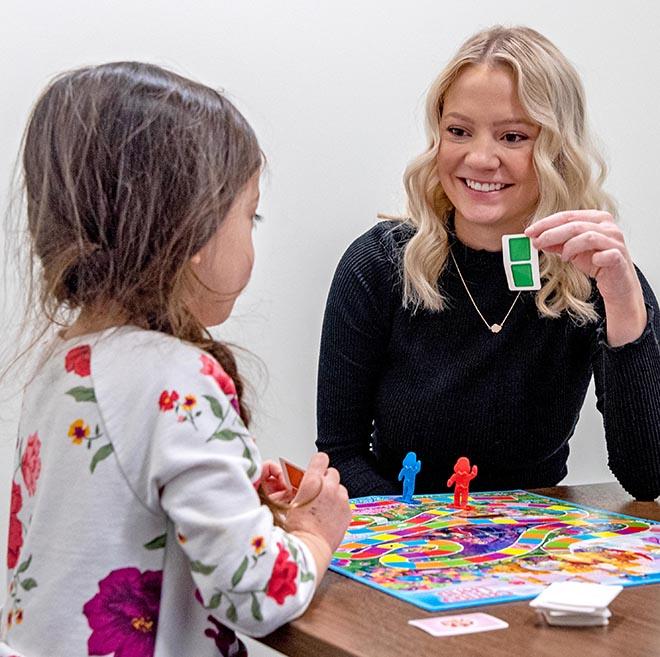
456, 115
515, 120
467, 119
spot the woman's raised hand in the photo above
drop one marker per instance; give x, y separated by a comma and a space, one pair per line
595, 245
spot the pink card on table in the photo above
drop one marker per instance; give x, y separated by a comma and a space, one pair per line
459, 624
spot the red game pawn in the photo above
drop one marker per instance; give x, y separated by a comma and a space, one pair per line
461, 479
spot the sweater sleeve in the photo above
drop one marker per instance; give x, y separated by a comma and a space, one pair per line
628, 395
186, 453
356, 329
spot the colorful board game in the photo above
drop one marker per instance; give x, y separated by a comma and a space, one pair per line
504, 546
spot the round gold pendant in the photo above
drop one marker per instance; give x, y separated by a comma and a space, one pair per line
495, 328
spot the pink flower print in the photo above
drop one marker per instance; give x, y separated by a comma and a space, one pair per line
123, 615
77, 360
31, 463
211, 367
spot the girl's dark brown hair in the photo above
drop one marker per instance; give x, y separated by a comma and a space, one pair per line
129, 170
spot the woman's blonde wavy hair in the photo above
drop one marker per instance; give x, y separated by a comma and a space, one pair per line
569, 168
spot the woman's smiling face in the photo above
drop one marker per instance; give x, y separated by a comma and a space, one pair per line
485, 160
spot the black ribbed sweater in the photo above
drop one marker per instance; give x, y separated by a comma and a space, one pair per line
442, 385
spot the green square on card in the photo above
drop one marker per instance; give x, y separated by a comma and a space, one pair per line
522, 275
519, 248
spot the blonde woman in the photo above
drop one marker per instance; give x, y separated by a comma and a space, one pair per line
424, 347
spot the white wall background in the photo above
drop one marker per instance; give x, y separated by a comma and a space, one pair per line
334, 89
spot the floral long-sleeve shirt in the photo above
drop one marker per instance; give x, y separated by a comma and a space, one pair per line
135, 528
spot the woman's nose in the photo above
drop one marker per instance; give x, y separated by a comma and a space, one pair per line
482, 154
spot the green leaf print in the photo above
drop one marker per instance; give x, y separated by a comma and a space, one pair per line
293, 550
82, 394
25, 565
216, 408
231, 613
101, 454
225, 434
240, 571
307, 577
29, 583
156, 543
256, 609
214, 603
204, 569
253, 468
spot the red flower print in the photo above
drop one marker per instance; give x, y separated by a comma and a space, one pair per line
167, 400
31, 463
282, 582
15, 527
211, 367
123, 615
77, 360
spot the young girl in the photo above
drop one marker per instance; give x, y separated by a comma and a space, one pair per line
424, 347
136, 524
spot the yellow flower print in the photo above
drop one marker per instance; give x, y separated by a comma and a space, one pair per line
258, 544
189, 402
78, 431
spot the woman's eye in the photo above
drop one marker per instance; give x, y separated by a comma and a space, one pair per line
457, 132
514, 137
257, 218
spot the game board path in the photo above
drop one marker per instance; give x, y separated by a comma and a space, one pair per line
407, 547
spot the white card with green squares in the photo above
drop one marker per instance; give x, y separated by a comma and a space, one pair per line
521, 262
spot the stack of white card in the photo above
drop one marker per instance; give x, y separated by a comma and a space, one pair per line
575, 603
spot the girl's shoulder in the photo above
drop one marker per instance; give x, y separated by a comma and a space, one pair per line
133, 353
129, 363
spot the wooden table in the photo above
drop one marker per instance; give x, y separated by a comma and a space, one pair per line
349, 619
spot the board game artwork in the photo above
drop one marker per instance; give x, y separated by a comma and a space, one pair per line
503, 546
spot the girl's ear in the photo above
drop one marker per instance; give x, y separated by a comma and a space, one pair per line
196, 259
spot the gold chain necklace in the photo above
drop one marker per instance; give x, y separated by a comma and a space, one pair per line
493, 328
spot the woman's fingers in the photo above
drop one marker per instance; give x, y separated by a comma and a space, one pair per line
588, 242
567, 217
557, 235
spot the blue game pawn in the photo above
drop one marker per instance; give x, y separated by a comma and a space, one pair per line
411, 466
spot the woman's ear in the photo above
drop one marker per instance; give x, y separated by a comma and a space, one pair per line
196, 259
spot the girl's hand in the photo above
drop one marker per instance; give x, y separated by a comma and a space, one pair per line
321, 506
272, 479
595, 245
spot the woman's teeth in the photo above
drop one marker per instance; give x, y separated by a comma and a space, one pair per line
484, 187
